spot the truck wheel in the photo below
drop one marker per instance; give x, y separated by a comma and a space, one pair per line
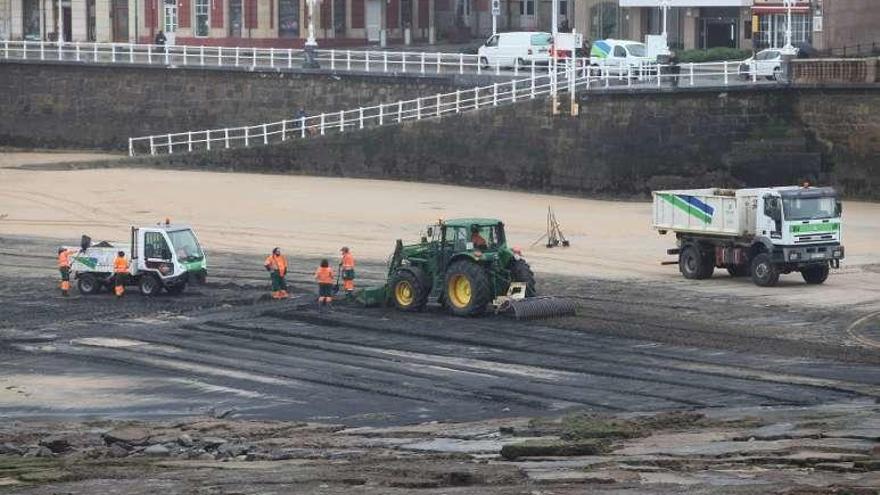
738, 270
149, 285
176, 289
692, 264
467, 288
763, 271
408, 292
520, 271
815, 274
88, 284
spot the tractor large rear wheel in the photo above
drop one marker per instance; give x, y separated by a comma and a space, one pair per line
408, 291
520, 271
467, 288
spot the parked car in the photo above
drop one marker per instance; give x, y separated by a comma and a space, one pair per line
518, 47
766, 63
621, 57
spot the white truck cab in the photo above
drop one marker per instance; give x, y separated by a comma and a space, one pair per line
164, 256
761, 232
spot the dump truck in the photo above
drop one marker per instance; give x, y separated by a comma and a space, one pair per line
467, 266
761, 232
165, 256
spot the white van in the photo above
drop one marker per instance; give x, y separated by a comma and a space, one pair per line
618, 56
520, 47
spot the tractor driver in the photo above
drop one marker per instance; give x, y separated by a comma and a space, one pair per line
476, 239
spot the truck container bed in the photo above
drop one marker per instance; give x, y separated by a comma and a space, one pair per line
704, 211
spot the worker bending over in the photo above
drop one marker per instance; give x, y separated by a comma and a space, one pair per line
276, 265
324, 276
64, 267
120, 273
347, 266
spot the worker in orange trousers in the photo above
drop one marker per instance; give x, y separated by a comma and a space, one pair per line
120, 273
64, 267
347, 268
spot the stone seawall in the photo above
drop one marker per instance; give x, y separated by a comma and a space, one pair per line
621, 145
69, 106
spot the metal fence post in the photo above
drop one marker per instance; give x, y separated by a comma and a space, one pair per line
272, 56
152, 146
457, 101
438, 104
342, 121
265, 134
202, 55
494, 94
479, 66
283, 130
130, 147
168, 55
289, 58
253, 58
384, 61
170, 146
380, 114
476, 97
302, 127
5, 48
438, 62
403, 61
423, 62
236, 56
367, 61
361, 118
185, 56
95, 50
516, 67
226, 137
399, 111
322, 124
247, 141
725, 73
219, 56
418, 109
76, 47
347, 59
461, 63
692, 73
208, 139
497, 66
659, 75
513, 90
60, 54
532, 96
332, 59
149, 54
189, 141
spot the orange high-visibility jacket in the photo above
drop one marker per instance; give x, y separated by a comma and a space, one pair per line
348, 261
120, 265
64, 258
277, 263
324, 275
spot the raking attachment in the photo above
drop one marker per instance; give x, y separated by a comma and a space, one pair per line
524, 308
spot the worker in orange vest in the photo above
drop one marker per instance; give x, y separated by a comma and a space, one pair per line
276, 265
324, 276
347, 268
120, 273
64, 267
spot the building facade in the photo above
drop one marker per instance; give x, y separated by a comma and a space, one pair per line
264, 23
465, 19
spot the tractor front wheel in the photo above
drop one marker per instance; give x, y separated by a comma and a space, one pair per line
520, 271
408, 292
467, 288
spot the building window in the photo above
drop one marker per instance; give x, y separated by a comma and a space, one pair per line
203, 13
170, 16
31, 20
771, 30
604, 19
288, 18
563, 7
339, 16
527, 7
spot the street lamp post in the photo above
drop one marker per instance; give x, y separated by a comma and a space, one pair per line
664, 6
58, 26
788, 5
311, 58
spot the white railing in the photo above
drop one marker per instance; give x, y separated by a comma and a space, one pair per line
262, 58
570, 77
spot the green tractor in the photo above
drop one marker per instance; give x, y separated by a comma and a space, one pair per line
462, 264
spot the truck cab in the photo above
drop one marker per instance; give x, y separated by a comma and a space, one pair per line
165, 256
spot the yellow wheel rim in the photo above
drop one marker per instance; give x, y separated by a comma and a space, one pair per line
459, 291
403, 292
